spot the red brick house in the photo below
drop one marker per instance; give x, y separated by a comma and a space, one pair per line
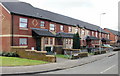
93, 35
114, 35
25, 26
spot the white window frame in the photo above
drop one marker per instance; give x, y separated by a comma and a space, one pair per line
52, 27
96, 34
66, 41
70, 29
23, 41
42, 23
23, 22
108, 36
92, 33
61, 27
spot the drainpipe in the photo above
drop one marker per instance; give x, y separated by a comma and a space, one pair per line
12, 21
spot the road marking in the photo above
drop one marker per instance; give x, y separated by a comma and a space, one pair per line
108, 69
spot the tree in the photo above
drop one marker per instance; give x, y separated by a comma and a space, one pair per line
76, 41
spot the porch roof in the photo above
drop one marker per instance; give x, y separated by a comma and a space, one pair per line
91, 38
105, 39
64, 35
37, 32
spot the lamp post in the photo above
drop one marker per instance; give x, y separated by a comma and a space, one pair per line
100, 36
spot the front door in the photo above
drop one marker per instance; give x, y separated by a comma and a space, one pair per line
38, 44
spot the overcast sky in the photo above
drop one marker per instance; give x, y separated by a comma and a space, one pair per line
85, 10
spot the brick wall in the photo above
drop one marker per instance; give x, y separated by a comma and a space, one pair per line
111, 36
6, 29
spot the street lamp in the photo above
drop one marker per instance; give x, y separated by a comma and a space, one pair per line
100, 36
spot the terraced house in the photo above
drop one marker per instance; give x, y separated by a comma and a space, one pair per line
114, 36
25, 26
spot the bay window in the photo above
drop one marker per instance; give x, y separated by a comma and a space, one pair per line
51, 41
46, 40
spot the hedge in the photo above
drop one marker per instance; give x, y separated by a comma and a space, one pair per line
9, 54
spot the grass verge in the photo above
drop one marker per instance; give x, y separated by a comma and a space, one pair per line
62, 56
14, 61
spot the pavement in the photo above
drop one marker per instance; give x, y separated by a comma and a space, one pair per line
61, 64
107, 65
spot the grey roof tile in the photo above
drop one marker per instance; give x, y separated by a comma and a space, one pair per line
64, 35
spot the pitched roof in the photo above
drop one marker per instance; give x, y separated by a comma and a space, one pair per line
114, 32
37, 32
26, 9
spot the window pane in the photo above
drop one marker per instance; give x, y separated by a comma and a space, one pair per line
51, 41
46, 40
23, 41
70, 29
66, 41
23, 25
42, 23
61, 27
24, 20
52, 27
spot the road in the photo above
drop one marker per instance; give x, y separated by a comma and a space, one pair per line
108, 65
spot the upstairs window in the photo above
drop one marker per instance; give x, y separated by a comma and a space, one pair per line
23, 23
42, 23
52, 27
96, 34
88, 33
92, 33
61, 28
23, 41
108, 36
70, 29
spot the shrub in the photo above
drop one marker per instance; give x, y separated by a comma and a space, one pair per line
0, 53
5, 54
9, 54
96, 52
